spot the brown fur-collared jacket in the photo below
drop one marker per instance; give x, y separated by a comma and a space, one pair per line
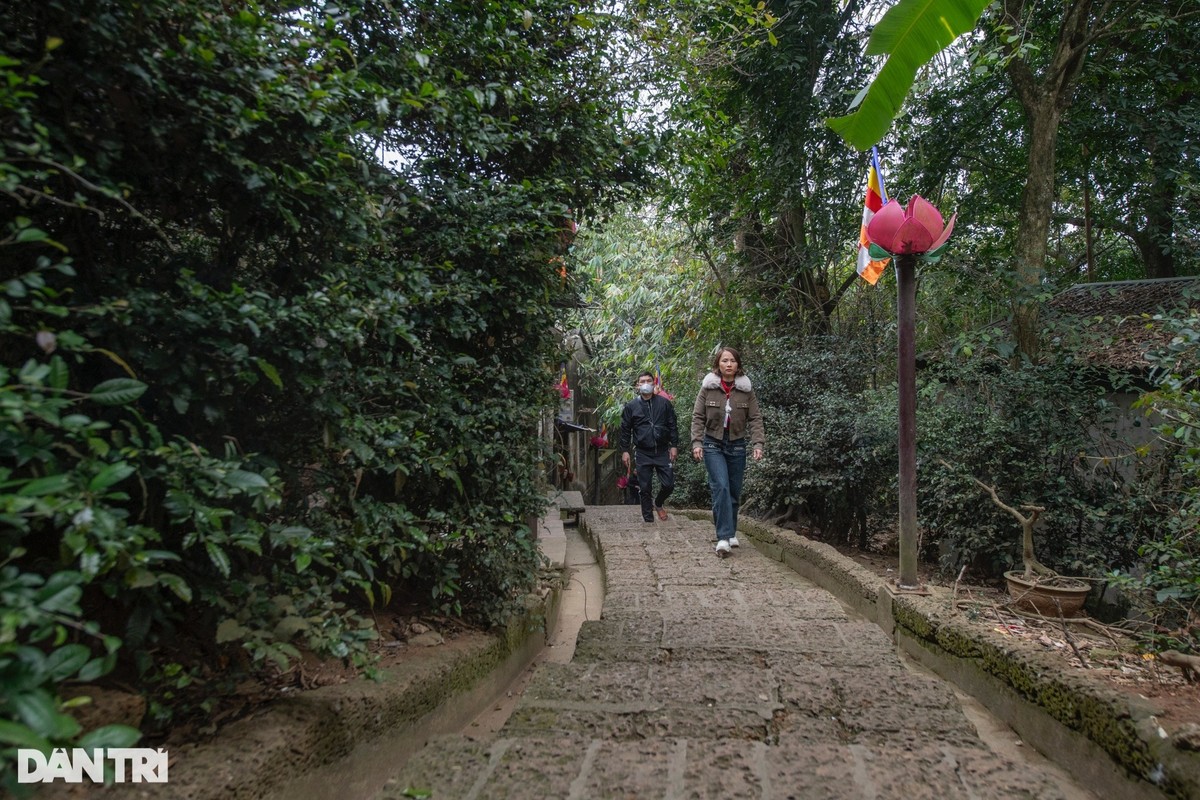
708, 415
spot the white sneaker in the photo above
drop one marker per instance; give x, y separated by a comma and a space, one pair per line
723, 548
733, 542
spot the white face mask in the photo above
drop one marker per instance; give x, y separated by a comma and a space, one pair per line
646, 388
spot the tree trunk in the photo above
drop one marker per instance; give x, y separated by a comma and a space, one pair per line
1155, 242
1033, 220
1043, 98
1089, 255
813, 292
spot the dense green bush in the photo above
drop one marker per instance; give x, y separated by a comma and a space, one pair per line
831, 442
1165, 582
691, 479
1040, 435
256, 380
1043, 435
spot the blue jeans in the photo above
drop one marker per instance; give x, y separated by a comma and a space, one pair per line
725, 462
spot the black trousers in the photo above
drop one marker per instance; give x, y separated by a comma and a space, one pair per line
633, 496
649, 464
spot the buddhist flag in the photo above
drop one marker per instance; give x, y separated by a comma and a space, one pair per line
601, 439
564, 390
658, 385
876, 196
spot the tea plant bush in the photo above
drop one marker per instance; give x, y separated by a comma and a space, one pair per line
1041, 435
1044, 434
831, 438
276, 305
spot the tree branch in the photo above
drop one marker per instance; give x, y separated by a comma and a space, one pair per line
1032, 565
119, 200
708, 258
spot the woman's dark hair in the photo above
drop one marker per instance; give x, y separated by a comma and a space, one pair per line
716, 365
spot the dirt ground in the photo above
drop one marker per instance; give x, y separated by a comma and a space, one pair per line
1101, 652
404, 635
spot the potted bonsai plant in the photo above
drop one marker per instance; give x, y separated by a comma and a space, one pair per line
1036, 587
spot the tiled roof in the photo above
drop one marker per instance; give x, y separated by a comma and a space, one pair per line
1124, 298
1117, 316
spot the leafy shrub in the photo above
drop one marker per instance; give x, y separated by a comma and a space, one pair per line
1040, 434
256, 381
830, 455
1165, 582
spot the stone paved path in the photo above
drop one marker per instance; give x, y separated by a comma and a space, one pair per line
709, 678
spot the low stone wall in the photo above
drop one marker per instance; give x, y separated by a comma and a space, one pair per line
440, 692
1109, 742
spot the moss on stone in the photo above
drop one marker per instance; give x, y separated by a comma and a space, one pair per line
1128, 736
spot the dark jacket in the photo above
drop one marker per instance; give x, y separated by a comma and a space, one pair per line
648, 426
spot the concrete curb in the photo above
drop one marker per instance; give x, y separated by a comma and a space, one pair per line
1105, 740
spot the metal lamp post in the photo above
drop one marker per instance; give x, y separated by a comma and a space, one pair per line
906, 376
908, 234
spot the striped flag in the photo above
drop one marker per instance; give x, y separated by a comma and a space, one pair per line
658, 385
870, 270
564, 390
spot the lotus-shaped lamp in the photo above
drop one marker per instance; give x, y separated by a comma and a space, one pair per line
916, 229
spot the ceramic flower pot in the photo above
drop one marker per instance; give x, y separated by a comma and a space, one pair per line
1049, 597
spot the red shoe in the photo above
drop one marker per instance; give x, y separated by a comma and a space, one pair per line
662, 513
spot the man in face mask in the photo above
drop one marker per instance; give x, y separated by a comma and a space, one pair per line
649, 432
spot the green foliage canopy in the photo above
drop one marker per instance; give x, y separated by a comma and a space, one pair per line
910, 34
277, 308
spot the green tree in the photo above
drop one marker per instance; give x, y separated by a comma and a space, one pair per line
1134, 148
757, 171
279, 281
651, 301
1045, 55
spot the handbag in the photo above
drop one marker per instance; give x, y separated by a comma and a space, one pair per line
623, 481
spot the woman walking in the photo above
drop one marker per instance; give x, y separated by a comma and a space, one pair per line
726, 415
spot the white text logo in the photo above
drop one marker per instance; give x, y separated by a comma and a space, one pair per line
129, 765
